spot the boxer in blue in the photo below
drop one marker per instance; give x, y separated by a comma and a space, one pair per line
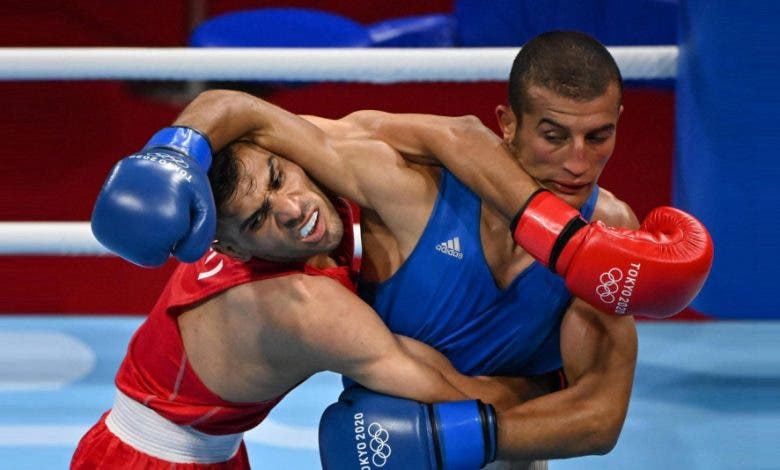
505, 322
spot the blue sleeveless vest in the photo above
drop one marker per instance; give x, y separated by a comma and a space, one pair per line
445, 295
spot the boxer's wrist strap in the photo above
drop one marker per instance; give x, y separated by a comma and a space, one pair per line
488, 415
571, 228
186, 140
433, 423
463, 437
519, 214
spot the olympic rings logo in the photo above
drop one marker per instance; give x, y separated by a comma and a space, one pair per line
379, 444
609, 285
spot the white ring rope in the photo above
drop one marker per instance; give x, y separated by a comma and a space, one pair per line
317, 65
49, 238
305, 64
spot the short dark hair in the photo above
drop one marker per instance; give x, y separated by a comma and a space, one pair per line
569, 63
224, 174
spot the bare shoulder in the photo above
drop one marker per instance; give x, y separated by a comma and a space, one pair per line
297, 317
323, 323
277, 307
301, 304
258, 307
281, 294
256, 340
613, 211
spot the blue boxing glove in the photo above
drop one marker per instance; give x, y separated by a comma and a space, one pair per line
367, 430
158, 201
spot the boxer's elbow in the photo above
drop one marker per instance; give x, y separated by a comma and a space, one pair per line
603, 431
469, 122
366, 123
604, 441
464, 127
469, 132
220, 97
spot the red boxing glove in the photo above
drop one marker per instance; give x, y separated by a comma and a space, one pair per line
655, 271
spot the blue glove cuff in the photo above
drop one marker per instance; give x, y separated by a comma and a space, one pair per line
467, 433
186, 140
491, 430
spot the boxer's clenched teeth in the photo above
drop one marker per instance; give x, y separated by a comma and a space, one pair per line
306, 229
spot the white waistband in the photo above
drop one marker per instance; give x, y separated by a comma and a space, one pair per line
143, 429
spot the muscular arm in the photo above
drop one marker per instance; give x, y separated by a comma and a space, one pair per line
471, 151
320, 325
357, 168
599, 355
599, 358
227, 115
335, 153
501, 391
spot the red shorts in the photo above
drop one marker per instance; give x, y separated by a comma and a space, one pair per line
101, 449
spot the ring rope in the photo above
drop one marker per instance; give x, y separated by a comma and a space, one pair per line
49, 238
307, 64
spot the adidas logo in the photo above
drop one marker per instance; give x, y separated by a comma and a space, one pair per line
451, 247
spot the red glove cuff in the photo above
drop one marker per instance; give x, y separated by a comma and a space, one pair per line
544, 226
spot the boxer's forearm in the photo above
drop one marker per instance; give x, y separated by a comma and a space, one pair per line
501, 392
559, 425
401, 374
226, 115
599, 355
223, 115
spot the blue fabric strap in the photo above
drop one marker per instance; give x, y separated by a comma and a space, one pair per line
184, 140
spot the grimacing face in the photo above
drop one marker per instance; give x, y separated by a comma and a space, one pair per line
277, 213
562, 143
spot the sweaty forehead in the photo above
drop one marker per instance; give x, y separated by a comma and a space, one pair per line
548, 105
252, 177
255, 162
541, 97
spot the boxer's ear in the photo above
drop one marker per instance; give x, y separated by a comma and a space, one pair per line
507, 122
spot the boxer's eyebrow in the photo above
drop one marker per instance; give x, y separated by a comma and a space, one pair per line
261, 212
609, 127
258, 215
550, 122
605, 128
